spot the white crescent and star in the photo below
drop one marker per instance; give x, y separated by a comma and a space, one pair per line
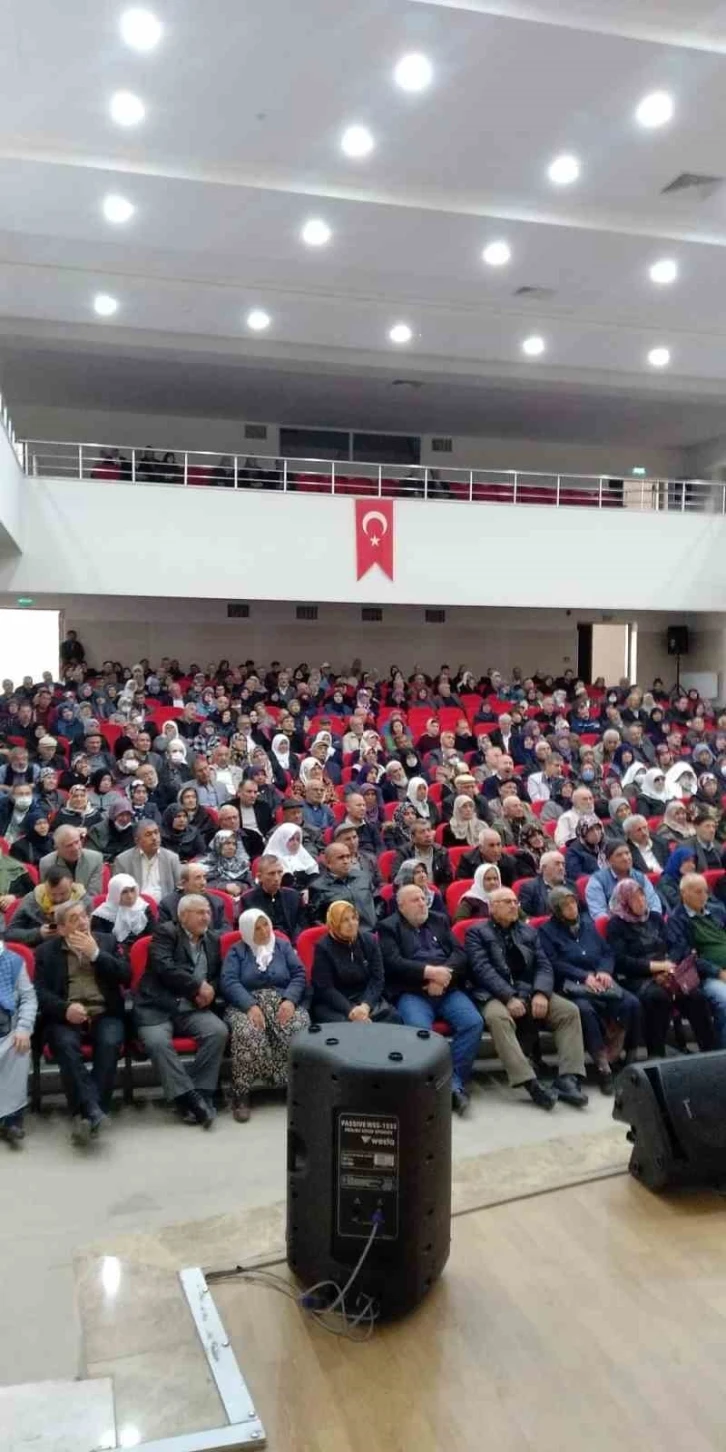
375, 516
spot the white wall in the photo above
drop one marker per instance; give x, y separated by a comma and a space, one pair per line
127, 628
12, 484
226, 436
88, 537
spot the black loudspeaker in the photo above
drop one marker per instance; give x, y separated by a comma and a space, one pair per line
677, 1110
369, 1139
677, 639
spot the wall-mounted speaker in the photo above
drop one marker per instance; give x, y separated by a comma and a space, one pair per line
677, 639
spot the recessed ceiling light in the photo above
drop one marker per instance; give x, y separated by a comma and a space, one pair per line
105, 305
533, 346
564, 170
659, 357
401, 333
258, 320
664, 271
140, 29
655, 109
497, 254
316, 232
127, 109
117, 209
357, 141
414, 72
639, 470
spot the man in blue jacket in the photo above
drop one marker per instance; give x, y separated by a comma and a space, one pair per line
698, 925
601, 885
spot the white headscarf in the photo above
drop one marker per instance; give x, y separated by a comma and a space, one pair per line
465, 829
326, 737
307, 766
279, 846
478, 890
649, 788
422, 808
126, 920
675, 790
635, 772
263, 952
281, 750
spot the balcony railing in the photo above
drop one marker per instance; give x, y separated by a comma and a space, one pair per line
195, 469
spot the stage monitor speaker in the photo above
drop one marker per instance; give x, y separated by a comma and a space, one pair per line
677, 1110
369, 1137
677, 639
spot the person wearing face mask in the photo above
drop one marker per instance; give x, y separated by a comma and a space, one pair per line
174, 773
17, 812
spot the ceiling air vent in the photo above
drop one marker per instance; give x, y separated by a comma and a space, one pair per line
435, 617
255, 431
371, 614
442, 446
306, 612
237, 611
535, 294
700, 183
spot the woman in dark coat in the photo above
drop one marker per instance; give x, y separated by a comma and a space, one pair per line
348, 978
180, 836
610, 1015
637, 938
584, 852
263, 984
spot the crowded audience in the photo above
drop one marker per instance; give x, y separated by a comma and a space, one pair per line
198, 862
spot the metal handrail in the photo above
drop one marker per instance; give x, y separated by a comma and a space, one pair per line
187, 468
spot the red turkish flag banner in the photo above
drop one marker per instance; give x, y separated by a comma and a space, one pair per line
374, 536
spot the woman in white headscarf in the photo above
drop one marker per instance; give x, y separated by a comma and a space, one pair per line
652, 796
325, 737
311, 770
299, 867
475, 901
680, 781
418, 795
464, 826
633, 778
263, 984
124, 913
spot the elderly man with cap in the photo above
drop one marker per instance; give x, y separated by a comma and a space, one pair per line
602, 884
175, 998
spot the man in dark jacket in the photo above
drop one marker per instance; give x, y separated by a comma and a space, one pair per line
340, 881
175, 998
424, 849
513, 982
283, 905
698, 925
192, 878
79, 979
490, 852
424, 965
534, 894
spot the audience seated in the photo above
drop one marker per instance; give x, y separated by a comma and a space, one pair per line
79, 980
513, 984
347, 976
176, 998
83, 865
638, 938
425, 971
584, 968
18, 1008
263, 985
155, 869
295, 791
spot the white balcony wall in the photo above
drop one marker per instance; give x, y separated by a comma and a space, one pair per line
12, 490
226, 436
102, 539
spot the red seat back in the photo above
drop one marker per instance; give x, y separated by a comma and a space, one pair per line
713, 876
454, 893
581, 885
385, 864
138, 958
601, 924
24, 952
306, 947
455, 855
227, 901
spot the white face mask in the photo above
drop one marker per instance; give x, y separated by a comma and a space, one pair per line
23, 803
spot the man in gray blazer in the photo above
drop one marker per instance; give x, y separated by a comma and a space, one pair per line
154, 868
84, 865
